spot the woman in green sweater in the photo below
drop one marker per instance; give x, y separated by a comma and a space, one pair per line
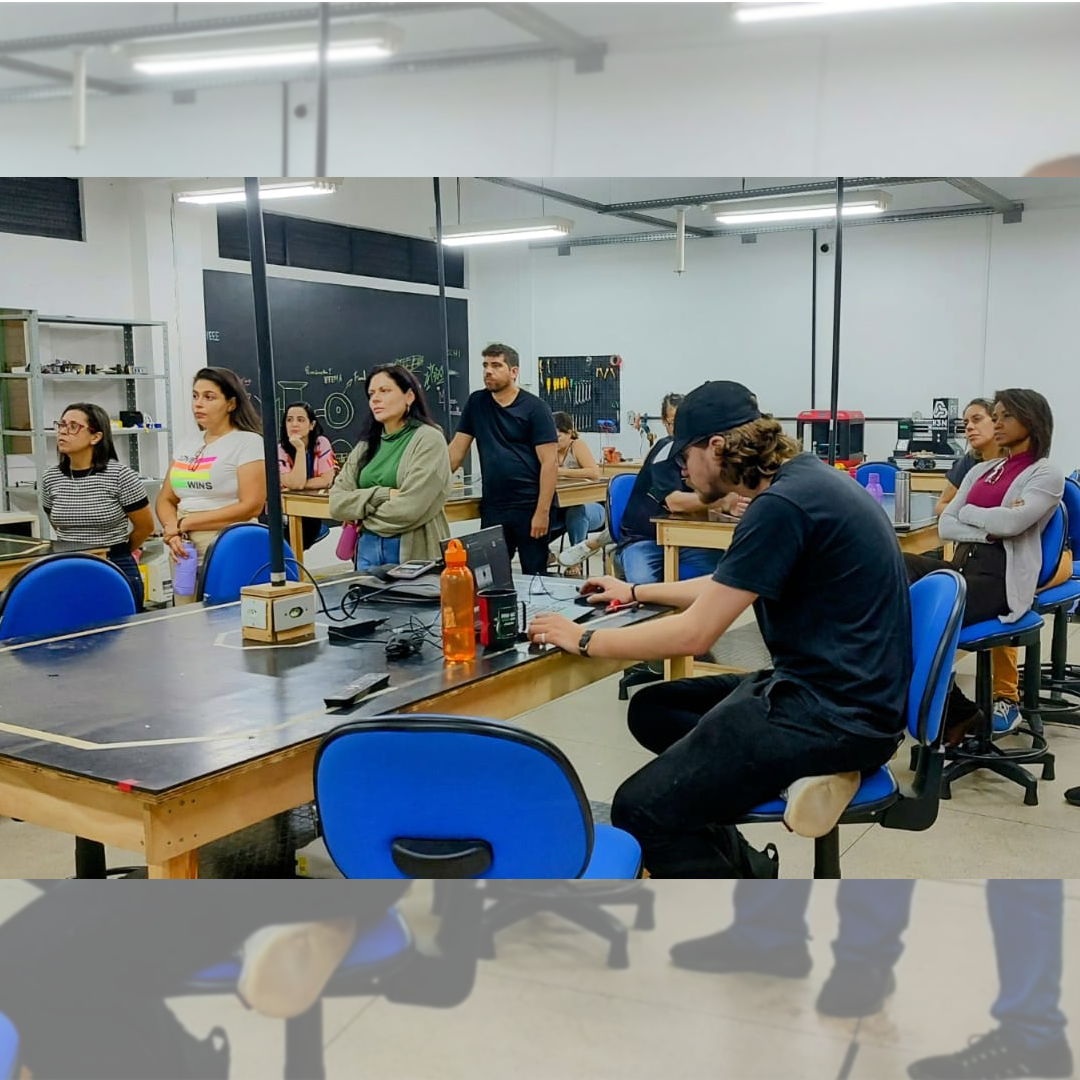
395, 483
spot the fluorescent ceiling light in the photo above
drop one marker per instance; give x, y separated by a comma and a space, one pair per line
767, 12
294, 190
501, 232
801, 208
252, 50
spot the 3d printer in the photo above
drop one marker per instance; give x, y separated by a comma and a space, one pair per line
849, 435
931, 444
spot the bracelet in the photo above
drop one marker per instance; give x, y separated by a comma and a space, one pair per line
633, 593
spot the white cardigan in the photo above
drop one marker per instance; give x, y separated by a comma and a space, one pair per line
1037, 490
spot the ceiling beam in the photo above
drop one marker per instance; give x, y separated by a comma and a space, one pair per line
586, 204
303, 15
588, 55
806, 188
1011, 212
58, 75
931, 213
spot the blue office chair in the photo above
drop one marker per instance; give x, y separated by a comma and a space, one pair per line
1060, 702
978, 750
457, 797
619, 491
937, 609
63, 594
9, 1049
384, 961
886, 475
239, 555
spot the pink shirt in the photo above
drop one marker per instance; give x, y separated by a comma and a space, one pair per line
320, 462
989, 490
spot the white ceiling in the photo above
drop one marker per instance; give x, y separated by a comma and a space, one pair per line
622, 27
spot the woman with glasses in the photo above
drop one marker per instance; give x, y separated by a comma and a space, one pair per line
218, 479
996, 521
395, 483
91, 498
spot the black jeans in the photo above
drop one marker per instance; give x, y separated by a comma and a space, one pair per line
86, 969
120, 556
983, 568
726, 744
517, 524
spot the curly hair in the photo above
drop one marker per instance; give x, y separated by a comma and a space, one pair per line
754, 452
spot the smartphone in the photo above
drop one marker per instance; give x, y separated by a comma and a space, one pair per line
410, 570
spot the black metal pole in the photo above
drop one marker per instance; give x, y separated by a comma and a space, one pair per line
444, 319
834, 396
813, 321
320, 131
267, 382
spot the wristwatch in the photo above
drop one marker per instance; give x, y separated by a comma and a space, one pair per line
583, 642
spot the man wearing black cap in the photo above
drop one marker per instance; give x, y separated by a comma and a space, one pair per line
819, 562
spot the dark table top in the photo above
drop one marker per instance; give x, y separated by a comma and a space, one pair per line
15, 548
166, 699
922, 510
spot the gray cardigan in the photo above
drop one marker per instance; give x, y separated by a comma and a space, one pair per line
1028, 506
416, 513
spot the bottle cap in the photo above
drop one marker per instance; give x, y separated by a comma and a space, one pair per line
454, 554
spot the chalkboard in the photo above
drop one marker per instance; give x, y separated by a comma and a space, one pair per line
327, 337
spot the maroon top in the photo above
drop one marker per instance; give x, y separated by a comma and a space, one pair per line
989, 490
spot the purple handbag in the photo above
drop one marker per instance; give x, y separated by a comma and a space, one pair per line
346, 545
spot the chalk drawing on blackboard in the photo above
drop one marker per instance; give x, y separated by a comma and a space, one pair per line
342, 449
339, 411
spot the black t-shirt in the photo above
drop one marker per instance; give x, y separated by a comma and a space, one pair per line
658, 478
506, 438
832, 591
963, 466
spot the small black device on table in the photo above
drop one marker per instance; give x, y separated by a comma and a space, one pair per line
354, 691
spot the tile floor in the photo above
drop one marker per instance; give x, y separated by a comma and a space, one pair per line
548, 1007
985, 830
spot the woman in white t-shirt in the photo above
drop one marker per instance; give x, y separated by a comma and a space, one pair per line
219, 479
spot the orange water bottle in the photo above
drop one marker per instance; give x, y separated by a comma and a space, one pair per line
456, 591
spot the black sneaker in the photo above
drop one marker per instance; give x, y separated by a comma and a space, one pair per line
1072, 796
724, 952
998, 1056
962, 716
854, 990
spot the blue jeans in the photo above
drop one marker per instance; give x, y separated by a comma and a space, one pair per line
1027, 918
582, 520
373, 550
643, 561
120, 556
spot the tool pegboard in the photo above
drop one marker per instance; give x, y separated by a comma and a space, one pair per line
586, 387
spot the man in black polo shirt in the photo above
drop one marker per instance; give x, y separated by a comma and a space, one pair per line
819, 562
515, 435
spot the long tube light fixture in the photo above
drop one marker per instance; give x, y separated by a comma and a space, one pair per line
766, 11
285, 190
801, 208
502, 232
251, 50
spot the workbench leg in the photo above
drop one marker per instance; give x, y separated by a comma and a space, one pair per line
296, 536
182, 866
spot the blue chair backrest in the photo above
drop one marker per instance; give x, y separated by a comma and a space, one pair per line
239, 556
62, 594
618, 495
9, 1047
450, 778
1070, 499
886, 475
937, 610
1053, 544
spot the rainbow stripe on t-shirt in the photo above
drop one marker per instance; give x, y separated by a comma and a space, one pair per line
191, 476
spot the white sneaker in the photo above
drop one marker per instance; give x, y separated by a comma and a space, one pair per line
286, 968
815, 803
576, 554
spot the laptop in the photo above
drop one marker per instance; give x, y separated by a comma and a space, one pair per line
487, 557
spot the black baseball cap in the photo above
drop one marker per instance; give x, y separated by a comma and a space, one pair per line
713, 408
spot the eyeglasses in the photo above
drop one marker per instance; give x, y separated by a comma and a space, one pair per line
995, 474
680, 459
69, 427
